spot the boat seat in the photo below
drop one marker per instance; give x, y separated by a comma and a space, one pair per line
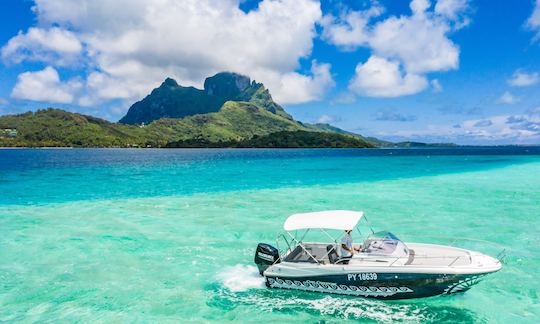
332, 253
299, 255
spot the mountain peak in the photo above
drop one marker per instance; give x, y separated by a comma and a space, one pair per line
169, 82
171, 100
226, 84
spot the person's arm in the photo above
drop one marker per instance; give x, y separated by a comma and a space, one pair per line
344, 246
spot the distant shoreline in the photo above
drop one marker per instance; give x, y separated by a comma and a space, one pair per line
40, 147
263, 148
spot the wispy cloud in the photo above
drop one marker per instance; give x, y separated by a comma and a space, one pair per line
521, 78
533, 22
519, 128
343, 98
393, 116
327, 119
507, 98
459, 109
436, 86
483, 123
529, 121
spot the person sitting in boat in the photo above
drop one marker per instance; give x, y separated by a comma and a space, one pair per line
347, 249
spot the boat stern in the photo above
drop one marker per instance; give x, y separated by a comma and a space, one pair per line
265, 256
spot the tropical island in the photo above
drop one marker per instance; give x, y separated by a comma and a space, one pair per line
231, 111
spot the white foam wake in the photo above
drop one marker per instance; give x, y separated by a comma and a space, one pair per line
240, 278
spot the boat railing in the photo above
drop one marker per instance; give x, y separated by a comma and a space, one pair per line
451, 262
453, 259
456, 238
281, 250
501, 256
502, 250
391, 261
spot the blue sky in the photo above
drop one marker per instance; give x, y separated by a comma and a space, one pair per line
459, 71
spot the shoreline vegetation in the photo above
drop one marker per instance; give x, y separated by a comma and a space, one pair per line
232, 111
59, 128
172, 146
55, 128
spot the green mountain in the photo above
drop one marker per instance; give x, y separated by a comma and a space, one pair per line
237, 124
235, 121
171, 100
231, 111
55, 127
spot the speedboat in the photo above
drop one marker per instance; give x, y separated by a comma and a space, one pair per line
384, 266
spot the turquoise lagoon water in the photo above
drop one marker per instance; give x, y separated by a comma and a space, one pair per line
169, 235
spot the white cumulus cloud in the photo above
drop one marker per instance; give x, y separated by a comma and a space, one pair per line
379, 77
295, 87
418, 41
54, 45
454, 10
350, 29
130, 46
45, 86
413, 45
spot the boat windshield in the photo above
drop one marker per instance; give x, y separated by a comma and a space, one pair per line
384, 243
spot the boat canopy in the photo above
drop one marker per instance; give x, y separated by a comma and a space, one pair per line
329, 219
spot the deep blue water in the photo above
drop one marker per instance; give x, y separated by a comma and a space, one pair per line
26, 175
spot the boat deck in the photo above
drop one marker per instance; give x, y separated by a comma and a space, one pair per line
420, 255
437, 255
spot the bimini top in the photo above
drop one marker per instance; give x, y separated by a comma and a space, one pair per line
329, 219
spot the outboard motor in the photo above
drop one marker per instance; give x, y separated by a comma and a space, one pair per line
265, 256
